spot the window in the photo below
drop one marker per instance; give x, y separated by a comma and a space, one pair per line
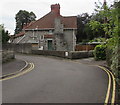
50, 32
42, 37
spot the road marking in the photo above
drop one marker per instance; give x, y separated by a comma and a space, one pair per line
109, 83
114, 89
21, 73
26, 64
114, 86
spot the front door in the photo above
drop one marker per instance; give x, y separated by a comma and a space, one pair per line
50, 45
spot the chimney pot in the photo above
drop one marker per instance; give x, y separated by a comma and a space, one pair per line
56, 9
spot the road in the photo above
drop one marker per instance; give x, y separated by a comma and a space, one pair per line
56, 81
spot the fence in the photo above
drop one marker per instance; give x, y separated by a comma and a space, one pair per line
84, 47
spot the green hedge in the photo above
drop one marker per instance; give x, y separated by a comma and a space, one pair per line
100, 52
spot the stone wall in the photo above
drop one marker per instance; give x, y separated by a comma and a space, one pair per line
7, 55
19, 48
80, 54
65, 54
49, 53
27, 49
37, 35
61, 42
70, 38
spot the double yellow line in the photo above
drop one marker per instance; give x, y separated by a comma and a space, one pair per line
20, 73
111, 79
109, 86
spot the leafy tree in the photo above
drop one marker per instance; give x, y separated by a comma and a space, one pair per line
23, 17
99, 22
4, 34
96, 27
89, 32
1, 27
114, 44
115, 19
111, 27
82, 20
89, 27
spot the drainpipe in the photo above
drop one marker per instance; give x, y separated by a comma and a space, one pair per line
74, 43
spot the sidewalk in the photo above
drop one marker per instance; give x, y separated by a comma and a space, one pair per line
91, 61
13, 66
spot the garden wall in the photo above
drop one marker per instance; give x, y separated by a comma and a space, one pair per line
28, 49
7, 55
65, 54
18, 48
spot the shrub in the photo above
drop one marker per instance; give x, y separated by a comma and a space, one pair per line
100, 52
98, 40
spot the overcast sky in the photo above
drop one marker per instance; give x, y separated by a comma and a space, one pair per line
41, 7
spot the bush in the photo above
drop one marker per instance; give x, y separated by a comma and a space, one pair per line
100, 52
98, 40
109, 56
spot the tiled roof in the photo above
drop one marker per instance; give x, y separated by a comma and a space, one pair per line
20, 34
25, 26
70, 22
47, 21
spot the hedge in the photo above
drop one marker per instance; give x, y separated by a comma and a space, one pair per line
100, 52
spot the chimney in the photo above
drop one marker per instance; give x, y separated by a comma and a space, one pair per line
56, 9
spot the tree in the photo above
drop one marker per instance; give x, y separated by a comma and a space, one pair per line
1, 27
111, 27
89, 27
82, 20
4, 34
115, 19
96, 27
99, 22
23, 17
114, 44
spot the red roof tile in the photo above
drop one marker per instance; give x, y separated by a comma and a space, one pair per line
47, 21
20, 34
70, 22
25, 26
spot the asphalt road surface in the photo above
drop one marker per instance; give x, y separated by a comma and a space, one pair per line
56, 81
17, 64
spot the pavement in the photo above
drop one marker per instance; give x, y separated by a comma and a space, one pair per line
92, 61
12, 66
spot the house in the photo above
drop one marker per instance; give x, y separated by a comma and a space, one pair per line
51, 32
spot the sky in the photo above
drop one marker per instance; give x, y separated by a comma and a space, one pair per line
9, 8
